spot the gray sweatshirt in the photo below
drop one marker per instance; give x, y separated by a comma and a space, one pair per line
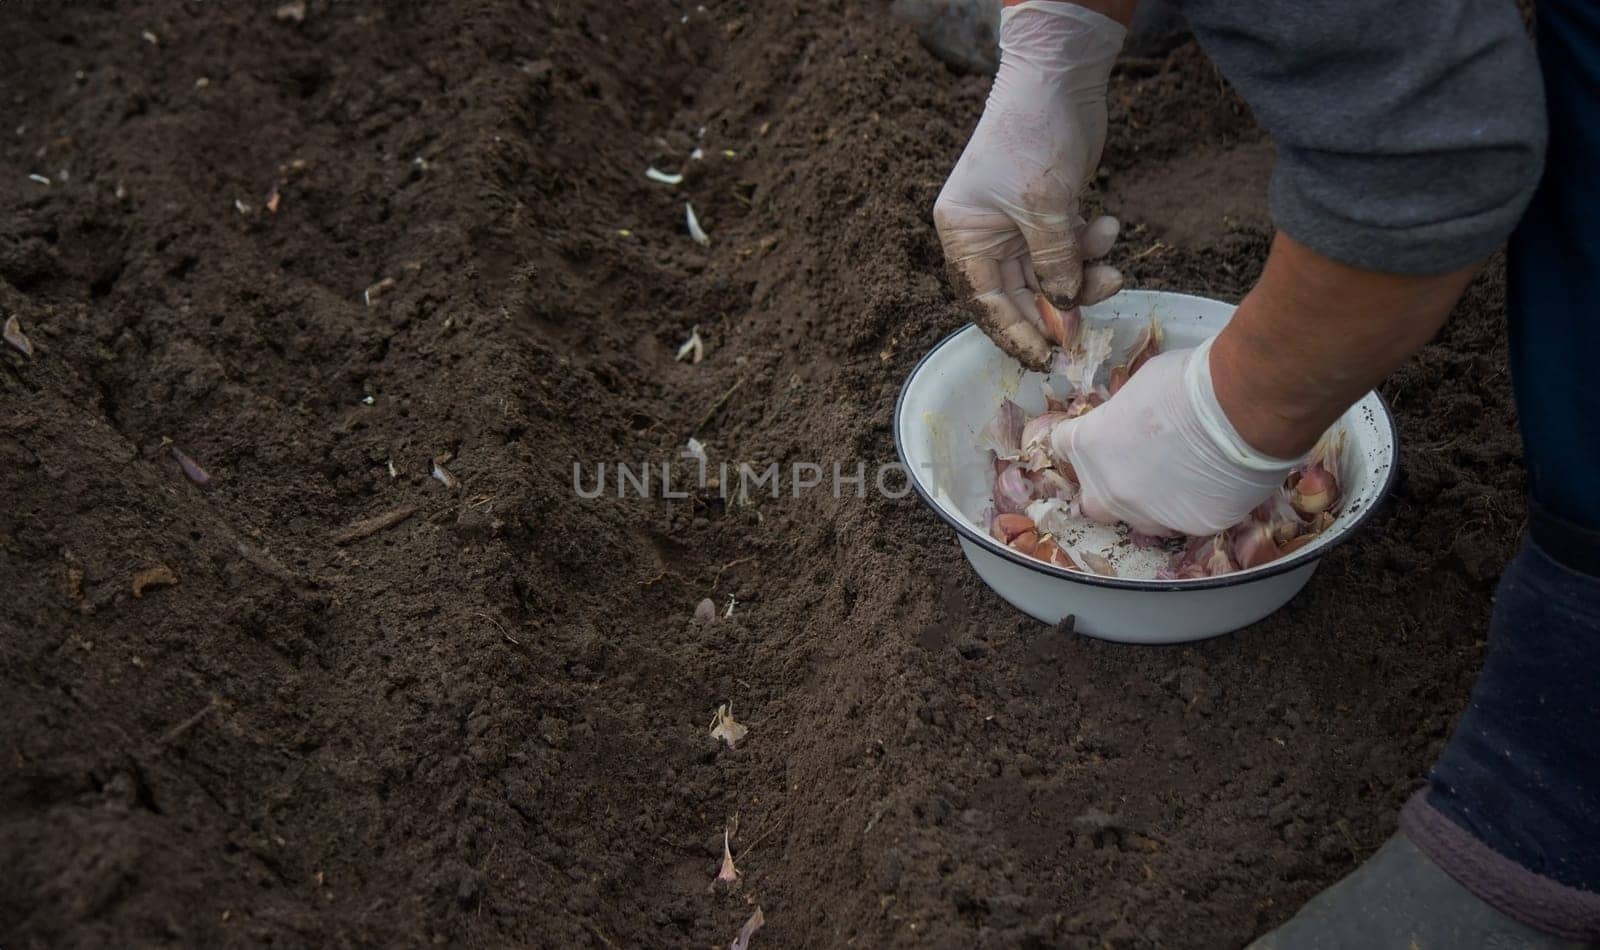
1410, 133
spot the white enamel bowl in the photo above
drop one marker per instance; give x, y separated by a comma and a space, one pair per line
953, 393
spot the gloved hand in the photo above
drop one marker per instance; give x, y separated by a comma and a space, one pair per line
1008, 215
1162, 456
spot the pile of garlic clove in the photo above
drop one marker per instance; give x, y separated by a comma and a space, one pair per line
1035, 494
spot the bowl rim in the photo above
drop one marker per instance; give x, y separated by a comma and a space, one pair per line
1281, 566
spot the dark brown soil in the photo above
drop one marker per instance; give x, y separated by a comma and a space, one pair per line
486, 725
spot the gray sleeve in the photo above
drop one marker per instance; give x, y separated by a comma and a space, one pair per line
1410, 133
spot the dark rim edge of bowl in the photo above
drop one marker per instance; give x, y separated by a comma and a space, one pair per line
1281, 566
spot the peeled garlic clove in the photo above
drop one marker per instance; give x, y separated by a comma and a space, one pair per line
692, 222
694, 348
1026, 542
1050, 552
1097, 563
1059, 326
1007, 525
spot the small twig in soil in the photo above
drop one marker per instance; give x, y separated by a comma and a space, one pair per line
717, 406
371, 526
498, 625
745, 851
172, 734
1158, 246
721, 570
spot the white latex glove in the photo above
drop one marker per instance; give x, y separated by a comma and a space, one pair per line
1162, 456
1008, 215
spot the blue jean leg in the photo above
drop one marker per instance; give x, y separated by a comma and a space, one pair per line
1515, 797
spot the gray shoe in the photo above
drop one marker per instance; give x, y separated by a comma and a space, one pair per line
1400, 899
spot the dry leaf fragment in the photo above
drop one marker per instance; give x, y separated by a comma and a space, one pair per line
726, 728
705, 611
756, 921
694, 348
443, 474
14, 336
191, 468
273, 198
158, 576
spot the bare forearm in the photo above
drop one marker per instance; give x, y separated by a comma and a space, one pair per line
1313, 336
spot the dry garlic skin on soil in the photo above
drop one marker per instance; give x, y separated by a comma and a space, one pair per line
1035, 509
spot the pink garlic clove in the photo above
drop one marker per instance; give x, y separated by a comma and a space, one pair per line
1003, 434
1294, 544
1253, 544
1314, 488
1119, 378
14, 335
191, 469
1059, 326
1146, 347
1314, 491
1050, 483
1036, 439
1012, 490
1053, 401
1084, 361
1217, 559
